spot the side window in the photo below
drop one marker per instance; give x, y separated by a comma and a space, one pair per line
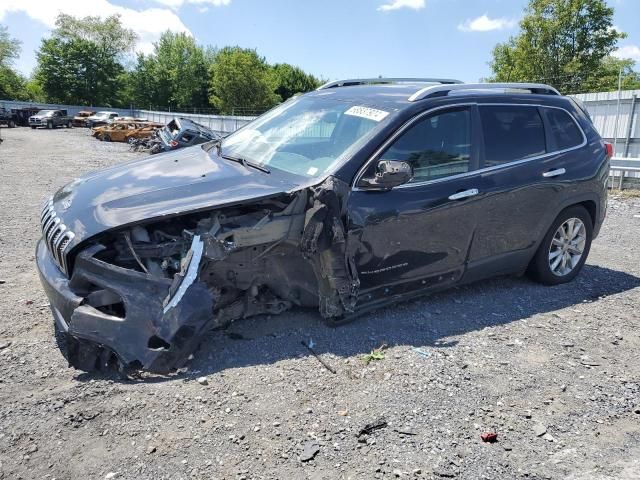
436, 147
511, 133
187, 137
564, 131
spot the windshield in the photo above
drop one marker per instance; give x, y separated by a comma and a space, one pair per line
45, 113
102, 114
305, 135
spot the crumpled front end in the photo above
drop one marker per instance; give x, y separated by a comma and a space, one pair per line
143, 296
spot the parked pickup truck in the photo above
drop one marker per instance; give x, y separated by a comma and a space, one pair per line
8, 118
50, 119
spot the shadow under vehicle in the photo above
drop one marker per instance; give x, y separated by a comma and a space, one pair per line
355, 196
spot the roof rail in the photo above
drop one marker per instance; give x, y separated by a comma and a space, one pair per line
379, 81
442, 90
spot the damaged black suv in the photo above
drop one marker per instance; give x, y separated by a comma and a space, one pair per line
358, 194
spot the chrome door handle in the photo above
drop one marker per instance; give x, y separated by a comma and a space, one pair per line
554, 173
465, 194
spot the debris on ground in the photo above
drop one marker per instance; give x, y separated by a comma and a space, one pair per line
375, 354
309, 451
539, 429
489, 437
373, 426
313, 352
421, 351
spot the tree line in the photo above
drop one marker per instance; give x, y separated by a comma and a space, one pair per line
90, 61
566, 43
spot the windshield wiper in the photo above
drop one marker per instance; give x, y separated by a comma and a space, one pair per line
246, 162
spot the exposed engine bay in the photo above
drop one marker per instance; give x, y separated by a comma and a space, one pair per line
149, 292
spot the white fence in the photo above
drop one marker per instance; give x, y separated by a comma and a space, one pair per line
217, 123
619, 125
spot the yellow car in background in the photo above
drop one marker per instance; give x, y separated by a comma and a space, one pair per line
125, 131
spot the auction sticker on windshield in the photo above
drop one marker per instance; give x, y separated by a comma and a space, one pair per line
368, 113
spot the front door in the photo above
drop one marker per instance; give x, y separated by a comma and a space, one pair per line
418, 235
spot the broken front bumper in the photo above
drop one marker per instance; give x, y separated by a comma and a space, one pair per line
148, 332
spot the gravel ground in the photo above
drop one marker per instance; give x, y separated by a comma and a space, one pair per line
553, 371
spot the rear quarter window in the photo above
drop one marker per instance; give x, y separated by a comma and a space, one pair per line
511, 133
564, 133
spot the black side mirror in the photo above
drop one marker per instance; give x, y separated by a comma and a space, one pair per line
389, 174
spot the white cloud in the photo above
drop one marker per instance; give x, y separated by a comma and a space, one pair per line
148, 23
628, 51
397, 4
179, 3
485, 24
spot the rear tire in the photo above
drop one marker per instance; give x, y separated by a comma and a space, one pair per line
105, 138
12, 124
564, 248
69, 125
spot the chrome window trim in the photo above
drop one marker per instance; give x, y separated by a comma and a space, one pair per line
416, 118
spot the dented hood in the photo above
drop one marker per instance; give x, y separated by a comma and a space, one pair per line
169, 184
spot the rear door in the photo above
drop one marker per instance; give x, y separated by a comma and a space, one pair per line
417, 235
524, 164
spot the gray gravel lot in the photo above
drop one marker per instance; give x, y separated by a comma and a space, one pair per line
555, 372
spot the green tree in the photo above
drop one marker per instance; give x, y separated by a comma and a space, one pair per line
292, 80
174, 75
609, 71
33, 91
11, 82
82, 61
242, 81
561, 42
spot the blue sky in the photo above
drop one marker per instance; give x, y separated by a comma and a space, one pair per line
332, 39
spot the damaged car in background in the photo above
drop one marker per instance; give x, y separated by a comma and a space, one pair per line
80, 118
126, 131
356, 195
180, 133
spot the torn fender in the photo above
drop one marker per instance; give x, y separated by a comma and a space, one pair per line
324, 244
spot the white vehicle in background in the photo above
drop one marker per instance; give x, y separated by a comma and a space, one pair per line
101, 118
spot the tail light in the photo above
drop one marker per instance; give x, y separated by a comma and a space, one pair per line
173, 144
609, 149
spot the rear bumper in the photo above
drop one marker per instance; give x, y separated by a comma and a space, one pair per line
148, 335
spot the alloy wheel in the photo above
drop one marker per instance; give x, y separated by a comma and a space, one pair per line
567, 246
